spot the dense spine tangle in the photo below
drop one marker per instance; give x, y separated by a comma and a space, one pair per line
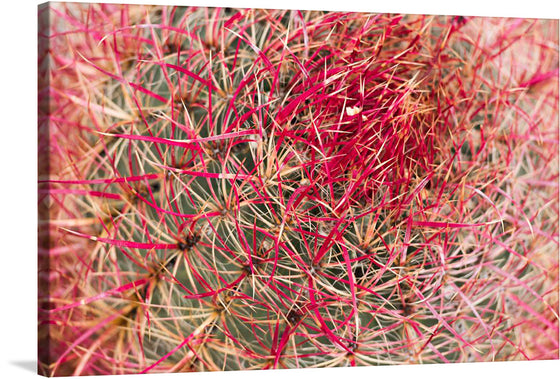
247, 189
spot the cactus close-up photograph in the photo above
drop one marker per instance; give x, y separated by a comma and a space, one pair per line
225, 188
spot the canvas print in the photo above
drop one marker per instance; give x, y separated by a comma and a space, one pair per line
249, 189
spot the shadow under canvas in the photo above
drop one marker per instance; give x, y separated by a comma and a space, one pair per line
26, 365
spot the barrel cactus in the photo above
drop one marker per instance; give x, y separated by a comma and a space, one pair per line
245, 189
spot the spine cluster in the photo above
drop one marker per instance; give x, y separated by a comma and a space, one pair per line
228, 189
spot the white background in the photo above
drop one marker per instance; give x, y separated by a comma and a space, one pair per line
18, 178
